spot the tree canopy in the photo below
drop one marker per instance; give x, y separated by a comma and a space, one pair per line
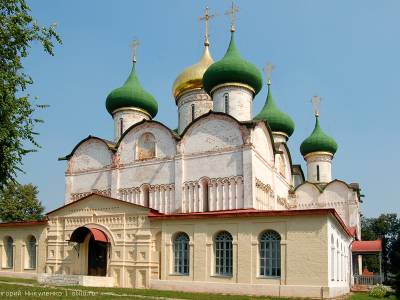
18, 31
20, 203
387, 228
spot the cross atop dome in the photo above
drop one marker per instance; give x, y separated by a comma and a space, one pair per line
316, 102
269, 67
134, 45
205, 18
232, 12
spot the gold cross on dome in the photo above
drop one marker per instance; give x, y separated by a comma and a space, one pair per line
269, 67
205, 18
232, 13
316, 102
135, 43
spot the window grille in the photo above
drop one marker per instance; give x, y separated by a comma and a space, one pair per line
270, 254
223, 254
181, 254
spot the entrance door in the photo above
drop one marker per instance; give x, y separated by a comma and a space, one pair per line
97, 258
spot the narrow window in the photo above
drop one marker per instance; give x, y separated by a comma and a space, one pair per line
270, 254
181, 254
193, 113
205, 194
31, 248
121, 126
226, 100
146, 195
223, 254
317, 172
9, 251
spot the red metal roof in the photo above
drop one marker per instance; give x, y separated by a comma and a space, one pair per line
24, 223
252, 213
353, 231
367, 246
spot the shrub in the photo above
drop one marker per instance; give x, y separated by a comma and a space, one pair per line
378, 291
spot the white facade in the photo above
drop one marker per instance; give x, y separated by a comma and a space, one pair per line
218, 163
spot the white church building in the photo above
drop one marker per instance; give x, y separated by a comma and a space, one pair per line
216, 205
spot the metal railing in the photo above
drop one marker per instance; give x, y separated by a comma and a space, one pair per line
367, 279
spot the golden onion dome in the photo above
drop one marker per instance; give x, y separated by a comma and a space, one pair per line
191, 78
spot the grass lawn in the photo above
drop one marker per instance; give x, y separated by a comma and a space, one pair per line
16, 288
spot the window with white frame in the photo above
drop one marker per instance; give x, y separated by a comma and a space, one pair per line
181, 253
31, 250
270, 254
223, 254
9, 252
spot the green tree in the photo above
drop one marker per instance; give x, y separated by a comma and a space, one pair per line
387, 228
18, 31
395, 263
19, 202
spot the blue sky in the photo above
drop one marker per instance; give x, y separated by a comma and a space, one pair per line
345, 51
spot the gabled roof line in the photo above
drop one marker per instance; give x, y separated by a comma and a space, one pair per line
321, 188
110, 145
151, 210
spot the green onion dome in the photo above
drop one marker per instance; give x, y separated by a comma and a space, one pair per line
232, 68
132, 94
318, 141
277, 120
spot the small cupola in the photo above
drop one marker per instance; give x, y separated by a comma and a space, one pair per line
281, 124
130, 103
318, 141
318, 150
232, 82
132, 95
232, 69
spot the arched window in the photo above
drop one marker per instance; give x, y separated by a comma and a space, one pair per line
223, 254
31, 249
181, 254
317, 172
146, 146
9, 252
193, 112
270, 254
226, 103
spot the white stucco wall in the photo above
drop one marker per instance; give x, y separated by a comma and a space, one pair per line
129, 117
202, 104
240, 101
93, 154
128, 147
324, 162
210, 135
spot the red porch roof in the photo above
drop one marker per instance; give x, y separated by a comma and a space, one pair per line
366, 246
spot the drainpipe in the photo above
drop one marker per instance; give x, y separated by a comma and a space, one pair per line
351, 264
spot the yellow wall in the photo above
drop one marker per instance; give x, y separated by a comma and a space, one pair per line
303, 249
20, 234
